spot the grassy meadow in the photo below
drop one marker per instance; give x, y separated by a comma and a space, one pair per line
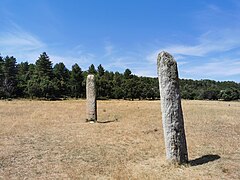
51, 140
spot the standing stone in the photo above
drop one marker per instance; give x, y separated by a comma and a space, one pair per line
91, 98
172, 116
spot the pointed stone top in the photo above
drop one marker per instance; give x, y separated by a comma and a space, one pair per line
165, 55
165, 62
90, 76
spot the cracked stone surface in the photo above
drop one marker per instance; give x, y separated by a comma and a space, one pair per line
91, 98
172, 116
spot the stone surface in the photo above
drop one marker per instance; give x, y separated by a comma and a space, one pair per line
91, 98
172, 116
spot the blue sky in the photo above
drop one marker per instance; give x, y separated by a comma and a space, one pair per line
203, 36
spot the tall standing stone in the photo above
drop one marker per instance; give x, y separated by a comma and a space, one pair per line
91, 98
172, 116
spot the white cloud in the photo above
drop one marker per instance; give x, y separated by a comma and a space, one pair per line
83, 61
109, 49
210, 42
79, 49
219, 68
152, 58
214, 8
27, 47
77, 54
20, 40
20, 43
120, 62
148, 72
221, 44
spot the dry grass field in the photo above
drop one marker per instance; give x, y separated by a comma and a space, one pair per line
51, 140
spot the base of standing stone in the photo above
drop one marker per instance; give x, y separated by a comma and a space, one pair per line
91, 120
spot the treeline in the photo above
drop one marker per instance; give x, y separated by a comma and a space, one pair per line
43, 80
209, 89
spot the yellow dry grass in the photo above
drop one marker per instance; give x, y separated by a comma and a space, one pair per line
51, 140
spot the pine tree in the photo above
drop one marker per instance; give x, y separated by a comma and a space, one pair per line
22, 78
62, 76
127, 74
9, 72
101, 70
41, 83
76, 82
118, 91
92, 70
44, 66
1, 76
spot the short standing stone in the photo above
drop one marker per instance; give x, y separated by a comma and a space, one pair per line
91, 98
172, 116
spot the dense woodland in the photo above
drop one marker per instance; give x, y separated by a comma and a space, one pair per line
42, 80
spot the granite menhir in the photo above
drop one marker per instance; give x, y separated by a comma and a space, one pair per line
91, 98
172, 116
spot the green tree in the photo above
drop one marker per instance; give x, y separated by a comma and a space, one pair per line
1, 76
22, 78
31, 70
100, 70
44, 66
34, 88
129, 87
41, 87
62, 77
105, 85
92, 70
127, 74
10, 72
117, 89
48, 88
42, 79
209, 94
229, 94
76, 82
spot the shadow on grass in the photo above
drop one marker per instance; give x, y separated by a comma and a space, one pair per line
109, 121
204, 159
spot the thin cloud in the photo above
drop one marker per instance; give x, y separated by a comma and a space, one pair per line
77, 54
83, 61
109, 49
214, 8
27, 47
16, 37
79, 49
121, 62
20, 40
148, 72
221, 44
20, 43
152, 58
210, 42
223, 67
